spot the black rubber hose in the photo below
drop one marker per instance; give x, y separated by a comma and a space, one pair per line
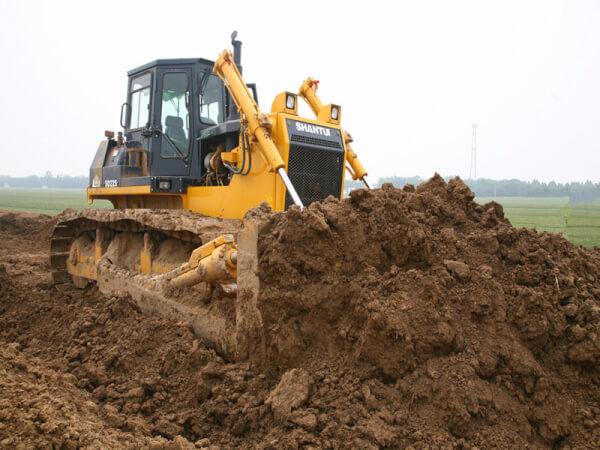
245, 148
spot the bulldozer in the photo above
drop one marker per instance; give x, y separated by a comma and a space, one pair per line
195, 155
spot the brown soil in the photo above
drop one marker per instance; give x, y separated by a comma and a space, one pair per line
396, 318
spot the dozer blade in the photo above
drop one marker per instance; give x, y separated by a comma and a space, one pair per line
175, 264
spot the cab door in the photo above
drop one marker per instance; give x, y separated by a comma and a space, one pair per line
139, 109
172, 139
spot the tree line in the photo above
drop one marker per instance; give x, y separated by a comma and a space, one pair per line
484, 187
48, 180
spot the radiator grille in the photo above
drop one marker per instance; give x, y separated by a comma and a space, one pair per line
315, 141
315, 172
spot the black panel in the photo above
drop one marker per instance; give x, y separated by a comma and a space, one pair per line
96, 169
315, 141
231, 126
113, 176
316, 162
304, 131
175, 184
315, 173
135, 181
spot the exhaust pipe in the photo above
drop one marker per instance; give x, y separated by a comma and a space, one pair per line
232, 113
237, 51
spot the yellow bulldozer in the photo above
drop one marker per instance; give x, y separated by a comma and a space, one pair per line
196, 153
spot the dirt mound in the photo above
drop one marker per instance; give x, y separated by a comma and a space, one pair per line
25, 240
453, 319
147, 380
395, 318
42, 407
28, 224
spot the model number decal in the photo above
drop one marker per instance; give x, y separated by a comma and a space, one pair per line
308, 128
110, 183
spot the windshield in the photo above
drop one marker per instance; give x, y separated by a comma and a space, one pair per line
211, 99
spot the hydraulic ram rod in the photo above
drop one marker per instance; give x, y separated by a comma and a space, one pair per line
258, 123
288, 184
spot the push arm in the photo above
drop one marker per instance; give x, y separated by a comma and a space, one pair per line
308, 91
259, 124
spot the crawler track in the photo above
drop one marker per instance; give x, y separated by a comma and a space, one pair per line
182, 225
121, 235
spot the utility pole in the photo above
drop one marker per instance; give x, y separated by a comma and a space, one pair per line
473, 169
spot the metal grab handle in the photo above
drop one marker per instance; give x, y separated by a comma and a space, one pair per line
123, 106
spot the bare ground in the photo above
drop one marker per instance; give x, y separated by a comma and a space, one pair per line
396, 318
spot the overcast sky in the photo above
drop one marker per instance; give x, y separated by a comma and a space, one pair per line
411, 76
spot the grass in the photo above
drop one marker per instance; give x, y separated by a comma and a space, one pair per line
46, 201
579, 223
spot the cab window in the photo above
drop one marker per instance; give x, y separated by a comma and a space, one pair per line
175, 121
140, 101
211, 98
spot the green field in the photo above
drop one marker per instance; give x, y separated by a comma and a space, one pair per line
46, 201
580, 223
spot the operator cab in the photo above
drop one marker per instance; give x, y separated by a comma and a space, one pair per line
169, 103
177, 112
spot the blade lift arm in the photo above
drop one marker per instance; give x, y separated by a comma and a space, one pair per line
258, 124
214, 262
308, 91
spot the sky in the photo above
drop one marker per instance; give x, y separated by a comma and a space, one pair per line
411, 76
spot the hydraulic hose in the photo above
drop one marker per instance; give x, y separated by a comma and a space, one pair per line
245, 148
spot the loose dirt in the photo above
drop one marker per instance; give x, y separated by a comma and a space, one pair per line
395, 318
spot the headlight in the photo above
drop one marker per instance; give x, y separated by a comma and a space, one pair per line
290, 101
164, 185
335, 112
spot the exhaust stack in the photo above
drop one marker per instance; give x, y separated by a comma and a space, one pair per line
237, 51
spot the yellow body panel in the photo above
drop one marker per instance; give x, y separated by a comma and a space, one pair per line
242, 193
98, 192
137, 197
264, 137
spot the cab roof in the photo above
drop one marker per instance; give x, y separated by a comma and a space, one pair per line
171, 63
